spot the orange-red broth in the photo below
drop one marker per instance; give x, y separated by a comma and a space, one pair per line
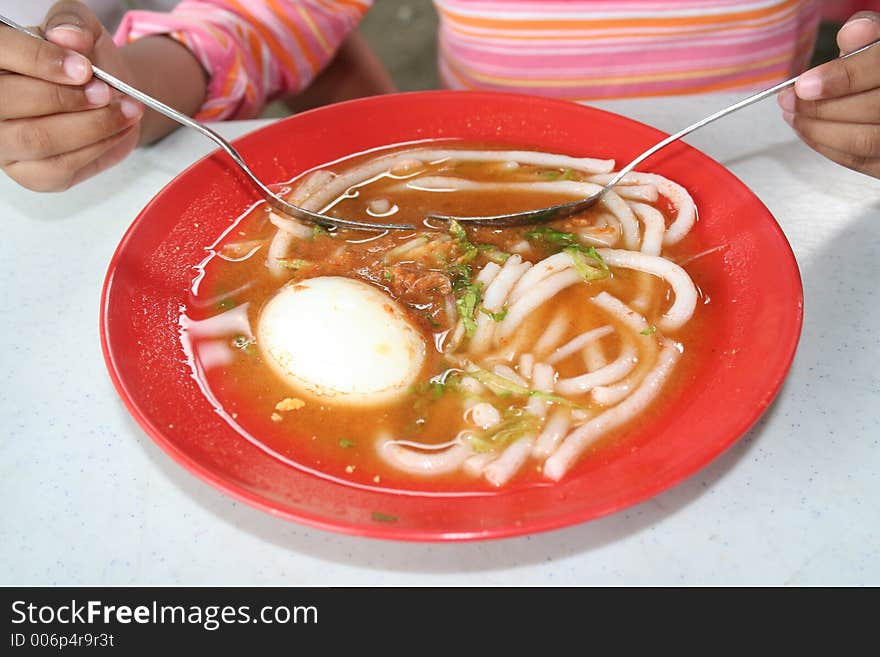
340, 442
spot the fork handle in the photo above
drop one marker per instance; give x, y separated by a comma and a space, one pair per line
745, 102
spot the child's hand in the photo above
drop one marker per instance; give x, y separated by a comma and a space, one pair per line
835, 107
58, 126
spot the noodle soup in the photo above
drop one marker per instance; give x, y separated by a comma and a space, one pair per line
450, 357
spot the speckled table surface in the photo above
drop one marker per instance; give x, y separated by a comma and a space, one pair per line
89, 499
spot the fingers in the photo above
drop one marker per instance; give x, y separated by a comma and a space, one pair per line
857, 108
61, 172
32, 139
36, 58
843, 77
860, 141
72, 25
869, 166
859, 30
28, 97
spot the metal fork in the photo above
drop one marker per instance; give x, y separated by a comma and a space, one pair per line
276, 201
568, 209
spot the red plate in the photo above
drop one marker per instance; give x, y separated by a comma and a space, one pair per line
754, 284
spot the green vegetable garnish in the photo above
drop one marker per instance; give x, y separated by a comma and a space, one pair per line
649, 331
345, 444
467, 304
504, 387
387, 275
378, 516
552, 237
588, 272
294, 263
225, 304
515, 424
318, 230
493, 253
497, 317
459, 233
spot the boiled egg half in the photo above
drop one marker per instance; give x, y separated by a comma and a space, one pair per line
340, 339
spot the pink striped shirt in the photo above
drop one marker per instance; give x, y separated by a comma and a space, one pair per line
257, 50
254, 51
591, 49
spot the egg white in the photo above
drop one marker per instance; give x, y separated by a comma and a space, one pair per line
340, 339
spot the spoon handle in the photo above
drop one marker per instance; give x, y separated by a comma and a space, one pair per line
745, 102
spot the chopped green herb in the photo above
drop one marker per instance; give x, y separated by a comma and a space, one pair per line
225, 304
378, 516
345, 444
387, 275
318, 230
497, 317
493, 253
504, 387
649, 331
458, 232
551, 175
294, 263
515, 424
467, 305
551, 237
460, 275
569, 174
588, 272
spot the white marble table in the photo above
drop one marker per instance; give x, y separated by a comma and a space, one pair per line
89, 499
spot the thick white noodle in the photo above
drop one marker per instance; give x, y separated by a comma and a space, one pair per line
541, 270
682, 307
470, 385
534, 298
607, 235
509, 374
552, 334
292, 226
652, 220
634, 321
399, 251
619, 310
686, 210
644, 193
610, 395
304, 196
423, 463
493, 300
578, 343
526, 365
474, 465
502, 469
497, 293
553, 433
614, 371
483, 414
628, 222
487, 274
543, 379
581, 438
594, 356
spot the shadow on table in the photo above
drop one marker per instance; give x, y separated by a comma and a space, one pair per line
461, 557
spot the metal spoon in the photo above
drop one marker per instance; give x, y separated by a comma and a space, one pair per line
276, 201
568, 209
